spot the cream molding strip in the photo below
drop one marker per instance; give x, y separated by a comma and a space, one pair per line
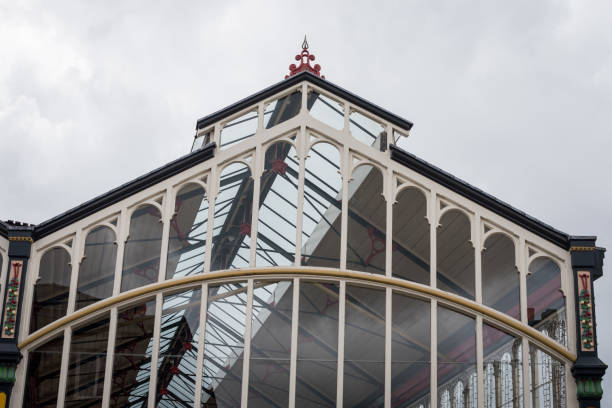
303, 272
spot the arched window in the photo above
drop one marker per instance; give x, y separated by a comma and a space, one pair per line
187, 238
97, 269
411, 236
545, 300
455, 254
276, 227
366, 221
51, 290
142, 248
232, 220
500, 278
321, 217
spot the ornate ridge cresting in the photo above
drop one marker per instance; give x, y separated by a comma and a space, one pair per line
304, 57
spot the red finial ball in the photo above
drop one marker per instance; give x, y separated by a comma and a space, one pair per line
304, 57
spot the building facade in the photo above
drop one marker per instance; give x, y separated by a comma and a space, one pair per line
298, 258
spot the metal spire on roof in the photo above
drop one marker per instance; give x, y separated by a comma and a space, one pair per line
304, 57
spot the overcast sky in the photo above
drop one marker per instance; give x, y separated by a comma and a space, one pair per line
513, 97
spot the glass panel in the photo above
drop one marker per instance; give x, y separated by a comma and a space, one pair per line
364, 347
322, 207
365, 129
366, 221
545, 300
51, 289
132, 361
87, 362
455, 255
276, 229
500, 278
178, 349
548, 390
201, 140
410, 352
97, 269
456, 358
239, 129
282, 109
187, 239
317, 353
411, 237
326, 110
270, 344
232, 221
224, 345
503, 369
142, 249
42, 377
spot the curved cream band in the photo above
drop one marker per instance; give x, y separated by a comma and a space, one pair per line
494, 315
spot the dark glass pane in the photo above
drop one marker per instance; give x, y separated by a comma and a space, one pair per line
142, 249
545, 300
503, 369
276, 229
411, 237
317, 353
178, 349
547, 387
224, 345
410, 352
97, 269
456, 358
500, 278
455, 255
364, 347
132, 361
51, 289
366, 221
322, 207
87, 361
42, 377
232, 221
187, 239
282, 109
270, 344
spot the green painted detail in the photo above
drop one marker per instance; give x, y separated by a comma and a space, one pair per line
7, 373
589, 388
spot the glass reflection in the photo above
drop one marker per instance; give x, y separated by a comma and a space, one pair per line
326, 110
97, 269
224, 345
270, 344
365, 129
282, 109
364, 347
238, 130
142, 248
411, 237
546, 379
132, 361
276, 228
455, 254
500, 278
232, 219
545, 300
178, 349
503, 369
87, 362
456, 359
51, 289
187, 239
42, 377
317, 353
410, 352
366, 221
322, 207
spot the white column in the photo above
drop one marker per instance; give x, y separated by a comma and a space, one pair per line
61, 393
390, 197
155, 349
388, 338
479, 361
294, 341
110, 356
123, 229
247, 345
434, 355
211, 195
341, 324
477, 242
201, 339
433, 227
346, 175
167, 214
257, 170
302, 143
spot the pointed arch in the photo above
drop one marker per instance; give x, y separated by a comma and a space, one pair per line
500, 278
97, 268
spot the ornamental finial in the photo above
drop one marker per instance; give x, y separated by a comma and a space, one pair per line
304, 57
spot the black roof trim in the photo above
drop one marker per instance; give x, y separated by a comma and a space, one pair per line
124, 191
291, 81
472, 193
